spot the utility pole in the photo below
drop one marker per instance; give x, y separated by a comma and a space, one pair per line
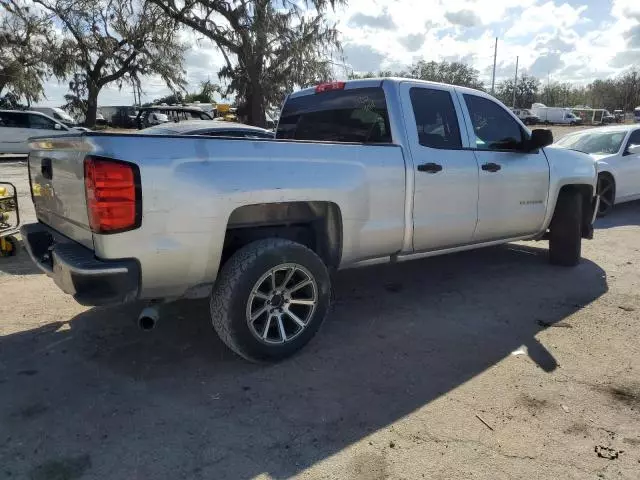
493, 77
548, 86
515, 83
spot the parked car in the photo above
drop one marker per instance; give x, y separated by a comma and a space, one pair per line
172, 113
619, 116
360, 173
616, 150
526, 116
556, 115
210, 128
607, 117
16, 126
119, 116
57, 114
636, 114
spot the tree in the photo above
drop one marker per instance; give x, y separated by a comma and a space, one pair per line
526, 91
454, 73
76, 103
206, 94
29, 52
270, 46
117, 41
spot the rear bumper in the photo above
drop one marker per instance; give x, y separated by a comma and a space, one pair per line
76, 270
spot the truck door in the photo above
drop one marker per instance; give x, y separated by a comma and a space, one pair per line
445, 199
513, 183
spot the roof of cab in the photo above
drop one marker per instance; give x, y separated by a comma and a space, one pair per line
377, 82
194, 125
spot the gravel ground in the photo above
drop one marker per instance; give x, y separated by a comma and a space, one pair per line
485, 364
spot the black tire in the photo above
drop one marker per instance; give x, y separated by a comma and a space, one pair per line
565, 231
233, 288
606, 190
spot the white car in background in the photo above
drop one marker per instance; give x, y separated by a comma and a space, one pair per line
616, 150
17, 126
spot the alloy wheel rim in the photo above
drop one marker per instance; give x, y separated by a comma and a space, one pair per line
282, 303
605, 191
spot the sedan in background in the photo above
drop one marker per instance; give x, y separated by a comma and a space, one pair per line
616, 149
209, 128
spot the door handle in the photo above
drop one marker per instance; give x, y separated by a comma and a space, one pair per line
430, 167
491, 167
46, 169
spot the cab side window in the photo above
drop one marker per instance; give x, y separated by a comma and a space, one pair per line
494, 128
41, 123
13, 120
436, 118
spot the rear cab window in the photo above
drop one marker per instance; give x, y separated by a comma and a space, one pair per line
352, 115
13, 120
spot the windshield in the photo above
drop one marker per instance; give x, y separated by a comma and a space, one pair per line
594, 142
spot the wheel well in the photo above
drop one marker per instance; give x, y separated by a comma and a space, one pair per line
317, 225
608, 174
586, 192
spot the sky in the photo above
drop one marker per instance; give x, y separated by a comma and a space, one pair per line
572, 40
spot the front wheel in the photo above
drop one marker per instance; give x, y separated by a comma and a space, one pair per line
606, 190
565, 231
270, 299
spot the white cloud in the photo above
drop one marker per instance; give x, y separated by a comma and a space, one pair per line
546, 16
465, 18
572, 41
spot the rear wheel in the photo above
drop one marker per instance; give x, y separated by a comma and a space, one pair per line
606, 190
270, 299
565, 231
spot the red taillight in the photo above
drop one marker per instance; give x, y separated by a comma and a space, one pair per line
327, 87
113, 195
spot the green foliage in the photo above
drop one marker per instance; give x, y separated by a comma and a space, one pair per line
206, 94
622, 92
116, 41
271, 47
29, 52
526, 91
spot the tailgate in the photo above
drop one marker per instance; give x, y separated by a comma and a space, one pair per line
57, 187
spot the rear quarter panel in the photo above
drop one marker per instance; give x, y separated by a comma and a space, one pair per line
190, 187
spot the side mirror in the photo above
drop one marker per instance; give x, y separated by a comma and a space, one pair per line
57, 126
633, 150
540, 137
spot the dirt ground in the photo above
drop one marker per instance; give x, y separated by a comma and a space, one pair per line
486, 364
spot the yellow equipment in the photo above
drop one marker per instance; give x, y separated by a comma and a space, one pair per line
8, 204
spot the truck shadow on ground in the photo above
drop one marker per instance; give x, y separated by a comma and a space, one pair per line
623, 214
96, 395
19, 264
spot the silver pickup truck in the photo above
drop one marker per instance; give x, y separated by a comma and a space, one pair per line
361, 172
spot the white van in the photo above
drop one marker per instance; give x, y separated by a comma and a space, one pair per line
57, 114
561, 115
17, 126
